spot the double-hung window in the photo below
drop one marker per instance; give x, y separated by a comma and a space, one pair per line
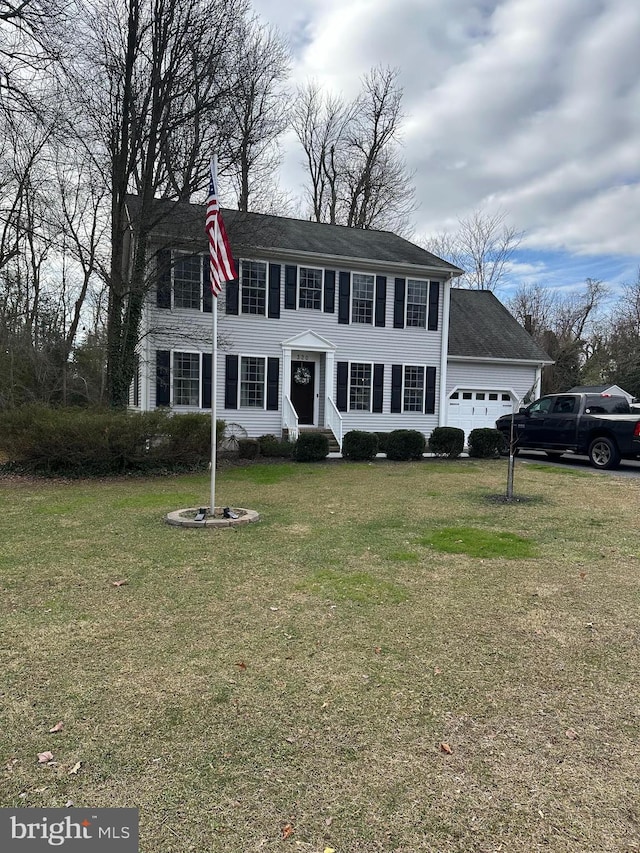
187, 281
254, 287
252, 382
360, 378
310, 288
413, 389
186, 378
417, 296
362, 299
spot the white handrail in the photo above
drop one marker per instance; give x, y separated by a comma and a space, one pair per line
290, 419
334, 421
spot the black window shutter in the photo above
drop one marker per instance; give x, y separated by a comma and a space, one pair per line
207, 296
232, 296
163, 294
163, 377
290, 286
231, 382
398, 304
344, 295
430, 393
206, 380
330, 291
274, 291
342, 385
396, 388
434, 300
273, 375
381, 299
378, 383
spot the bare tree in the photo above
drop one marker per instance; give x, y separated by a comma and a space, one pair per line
256, 111
357, 174
564, 326
320, 122
483, 247
146, 124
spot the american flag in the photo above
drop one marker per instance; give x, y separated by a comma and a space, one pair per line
221, 265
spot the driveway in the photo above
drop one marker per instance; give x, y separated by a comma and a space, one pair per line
628, 467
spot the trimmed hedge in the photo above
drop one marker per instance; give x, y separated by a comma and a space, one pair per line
485, 442
383, 441
101, 442
359, 446
405, 444
248, 448
271, 445
447, 441
311, 447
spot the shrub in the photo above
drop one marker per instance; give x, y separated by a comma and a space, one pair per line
447, 441
311, 447
359, 445
248, 448
383, 441
405, 444
270, 445
101, 442
485, 442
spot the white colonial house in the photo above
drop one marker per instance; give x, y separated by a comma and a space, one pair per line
326, 327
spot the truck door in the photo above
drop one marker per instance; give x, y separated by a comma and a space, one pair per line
560, 424
530, 427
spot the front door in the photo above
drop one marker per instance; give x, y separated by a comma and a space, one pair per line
303, 388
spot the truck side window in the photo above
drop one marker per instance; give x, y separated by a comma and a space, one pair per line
565, 406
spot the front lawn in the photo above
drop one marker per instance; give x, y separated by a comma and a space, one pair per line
389, 661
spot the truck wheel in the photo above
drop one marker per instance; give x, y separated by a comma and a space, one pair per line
603, 453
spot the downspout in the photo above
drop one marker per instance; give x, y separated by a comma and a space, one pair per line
444, 352
538, 384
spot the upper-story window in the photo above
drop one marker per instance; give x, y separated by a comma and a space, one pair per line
187, 281
362, 298
310, 288
254, 287
417, 295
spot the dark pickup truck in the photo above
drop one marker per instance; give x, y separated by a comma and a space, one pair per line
600, 426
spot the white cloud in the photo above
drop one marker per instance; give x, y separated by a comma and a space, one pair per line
530, 106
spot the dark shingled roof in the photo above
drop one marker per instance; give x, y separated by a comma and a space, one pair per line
183, 223
481, 327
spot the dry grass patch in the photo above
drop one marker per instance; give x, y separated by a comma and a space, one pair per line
305, 670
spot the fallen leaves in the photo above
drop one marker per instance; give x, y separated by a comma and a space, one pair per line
119, 583
287, 830
572, 734
75, 768
444, 747
57, 728
45, 757
437, 670
11, 764
241, 664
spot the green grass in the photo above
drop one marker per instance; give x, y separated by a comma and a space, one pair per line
479, 543
305, 670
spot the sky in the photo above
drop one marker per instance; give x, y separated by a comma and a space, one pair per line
530, 108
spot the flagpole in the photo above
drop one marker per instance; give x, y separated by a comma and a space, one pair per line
214, 365
214, 387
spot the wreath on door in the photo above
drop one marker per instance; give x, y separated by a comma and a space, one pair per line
302, 376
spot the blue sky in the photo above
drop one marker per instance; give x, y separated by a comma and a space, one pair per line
527, 107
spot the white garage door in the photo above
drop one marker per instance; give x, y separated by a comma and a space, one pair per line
476, 409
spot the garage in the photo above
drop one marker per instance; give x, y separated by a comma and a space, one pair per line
469, 409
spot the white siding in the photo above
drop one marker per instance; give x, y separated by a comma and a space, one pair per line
262, 336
